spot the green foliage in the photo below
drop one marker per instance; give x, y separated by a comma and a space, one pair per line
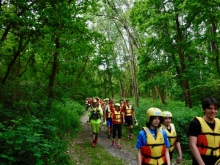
179, 43
37, 139
31, 141
210, 87
67, 115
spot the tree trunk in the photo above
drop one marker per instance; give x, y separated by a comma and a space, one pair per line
187, 94
122, 89
160, 94
53, 74
105, 87
185, 82
16, 87
214, 44
79, 74
16, 54
110, 82
134, 76
154, 97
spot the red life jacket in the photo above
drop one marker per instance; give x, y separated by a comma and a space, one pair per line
101, 103
117, 117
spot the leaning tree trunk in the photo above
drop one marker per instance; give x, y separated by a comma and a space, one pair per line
110, 82
154, 97
134, 76
53, 74
160, 94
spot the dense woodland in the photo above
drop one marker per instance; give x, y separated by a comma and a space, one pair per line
54, 54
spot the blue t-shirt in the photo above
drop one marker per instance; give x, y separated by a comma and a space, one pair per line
142, 138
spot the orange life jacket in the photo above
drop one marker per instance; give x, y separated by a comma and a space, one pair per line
128, 111
117, 117
101, 102
208, 141
154, 150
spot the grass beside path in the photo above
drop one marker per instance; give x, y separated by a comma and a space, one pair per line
82, 153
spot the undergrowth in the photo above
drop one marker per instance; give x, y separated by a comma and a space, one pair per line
31, 134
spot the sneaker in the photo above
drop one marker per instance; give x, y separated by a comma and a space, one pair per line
109, 136
93, 144
96, 141
119, 146
113, 142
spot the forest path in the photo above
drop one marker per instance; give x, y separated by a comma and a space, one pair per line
128, 152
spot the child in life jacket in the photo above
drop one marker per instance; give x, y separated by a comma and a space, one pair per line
129, 115
95, 113
152, 143
107, 117
169, 127
117, 120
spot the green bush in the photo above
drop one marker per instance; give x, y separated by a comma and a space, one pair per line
67, 115
29, 134
31, 141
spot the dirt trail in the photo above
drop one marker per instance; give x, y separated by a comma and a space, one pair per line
128, 151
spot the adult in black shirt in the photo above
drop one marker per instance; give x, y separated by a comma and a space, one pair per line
210, 108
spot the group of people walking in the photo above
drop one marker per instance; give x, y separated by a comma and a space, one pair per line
113, 115
158, 139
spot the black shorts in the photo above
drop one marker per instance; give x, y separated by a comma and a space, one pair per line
128, 122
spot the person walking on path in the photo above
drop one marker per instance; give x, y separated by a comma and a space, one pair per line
169, 127
107, 117
152, 142
121, 102
117, 120
204, 135
95, 113
129, 114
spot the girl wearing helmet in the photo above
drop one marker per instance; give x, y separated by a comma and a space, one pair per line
172, 135
107, 117
152, 143
129, 115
